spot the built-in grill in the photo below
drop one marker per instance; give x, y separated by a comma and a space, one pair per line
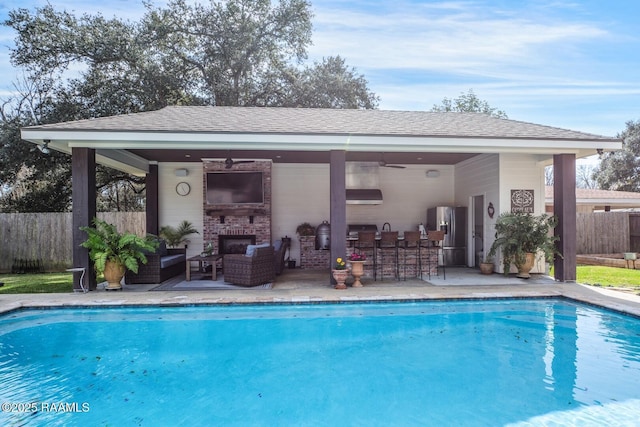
352, 229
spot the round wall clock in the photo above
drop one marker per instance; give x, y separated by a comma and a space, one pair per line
183, 188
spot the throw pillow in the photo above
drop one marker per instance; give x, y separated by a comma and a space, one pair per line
251, 249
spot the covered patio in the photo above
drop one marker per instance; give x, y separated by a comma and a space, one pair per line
457, 159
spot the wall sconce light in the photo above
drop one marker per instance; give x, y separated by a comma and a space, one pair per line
491, 210
44, 148
432, 173
181, 172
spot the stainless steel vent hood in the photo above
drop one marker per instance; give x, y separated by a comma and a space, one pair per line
362, 183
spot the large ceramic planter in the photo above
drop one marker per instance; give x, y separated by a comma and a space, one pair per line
357, 270
341, 277
524, 269
113, 274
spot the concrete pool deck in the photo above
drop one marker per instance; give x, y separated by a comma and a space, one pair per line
309, 286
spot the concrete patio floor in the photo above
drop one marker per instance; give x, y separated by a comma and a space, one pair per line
301, 286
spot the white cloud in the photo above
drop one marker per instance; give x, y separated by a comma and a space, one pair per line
463, 43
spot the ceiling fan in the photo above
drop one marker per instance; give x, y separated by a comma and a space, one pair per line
229, 162
384, 164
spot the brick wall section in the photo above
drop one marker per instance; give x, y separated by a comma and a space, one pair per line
310, 258
238, 224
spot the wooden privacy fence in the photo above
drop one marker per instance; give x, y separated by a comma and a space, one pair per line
607, 232
43, 240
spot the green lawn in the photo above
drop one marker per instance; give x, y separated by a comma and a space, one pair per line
36, 283
608, 276
63, 282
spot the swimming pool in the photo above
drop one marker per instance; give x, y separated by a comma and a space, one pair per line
500, 362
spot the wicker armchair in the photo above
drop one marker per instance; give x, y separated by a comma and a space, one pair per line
255, 270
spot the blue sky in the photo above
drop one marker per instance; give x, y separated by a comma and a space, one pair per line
573, 64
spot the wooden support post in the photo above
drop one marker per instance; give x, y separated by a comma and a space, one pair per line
338, 206
83, 182
152, 202
564, 206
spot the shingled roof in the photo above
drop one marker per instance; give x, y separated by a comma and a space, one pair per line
597, 195
314, 121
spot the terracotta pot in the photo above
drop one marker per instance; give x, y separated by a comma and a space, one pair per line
524, 269
340, 276
357, 270
486, 267
113, 274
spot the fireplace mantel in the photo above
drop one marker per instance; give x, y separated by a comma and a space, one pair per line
236, 212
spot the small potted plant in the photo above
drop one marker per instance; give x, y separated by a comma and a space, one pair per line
486, 265
340, 273
520, 236
113, 253
306, 229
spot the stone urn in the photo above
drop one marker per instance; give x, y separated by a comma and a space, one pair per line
524, 269
340, 277
357, 270
113, 274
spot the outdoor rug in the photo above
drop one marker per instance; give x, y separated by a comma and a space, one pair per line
206, 285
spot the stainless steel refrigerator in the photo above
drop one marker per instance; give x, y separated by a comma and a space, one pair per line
453, 221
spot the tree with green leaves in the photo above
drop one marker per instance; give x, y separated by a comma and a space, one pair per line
469, 103
231, 52
620, 170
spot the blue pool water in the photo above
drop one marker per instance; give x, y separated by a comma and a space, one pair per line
507, 362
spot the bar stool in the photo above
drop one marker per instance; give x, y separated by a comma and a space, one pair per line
411, 244
367, 241
388, 241
435, 240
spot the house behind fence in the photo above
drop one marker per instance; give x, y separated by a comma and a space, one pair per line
42, 241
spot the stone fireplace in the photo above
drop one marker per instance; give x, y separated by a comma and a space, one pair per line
234, 244
233, 226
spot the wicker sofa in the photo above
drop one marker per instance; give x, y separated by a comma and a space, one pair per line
252, 269
161, 265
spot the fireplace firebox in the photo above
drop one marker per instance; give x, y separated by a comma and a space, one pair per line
235, 244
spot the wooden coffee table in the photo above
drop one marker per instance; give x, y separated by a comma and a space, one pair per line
211, 259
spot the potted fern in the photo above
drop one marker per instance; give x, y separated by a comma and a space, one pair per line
113, 252
520, 236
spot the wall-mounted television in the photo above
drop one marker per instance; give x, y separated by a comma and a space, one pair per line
227, 188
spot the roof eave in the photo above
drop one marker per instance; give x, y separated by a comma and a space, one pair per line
311, 142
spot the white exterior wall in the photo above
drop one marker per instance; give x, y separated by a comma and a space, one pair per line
301, 194
479, 176
175, 208
523, 172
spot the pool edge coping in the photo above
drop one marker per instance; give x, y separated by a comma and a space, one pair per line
572, 291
